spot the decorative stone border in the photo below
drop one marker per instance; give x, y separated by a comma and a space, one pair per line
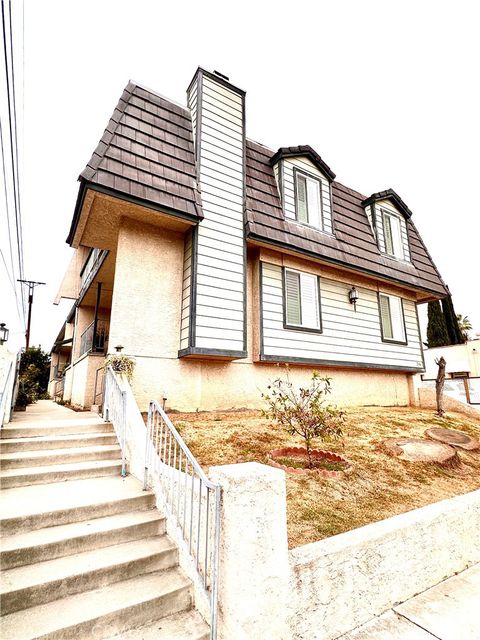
319, 454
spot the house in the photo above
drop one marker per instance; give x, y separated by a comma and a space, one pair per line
210, 259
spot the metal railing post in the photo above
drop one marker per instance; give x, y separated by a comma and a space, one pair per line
148, 436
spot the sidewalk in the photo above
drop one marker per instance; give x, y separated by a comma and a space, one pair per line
448, 611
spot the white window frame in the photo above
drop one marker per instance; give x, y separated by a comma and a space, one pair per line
303, 276
316, 182
397, 248
393, 328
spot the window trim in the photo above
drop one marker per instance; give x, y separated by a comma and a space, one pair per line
392, 340
293, 327
387, 212
318, 180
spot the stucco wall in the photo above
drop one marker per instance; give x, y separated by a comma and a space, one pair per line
189, 385
339, 583
146, 303
459, 358
83, 379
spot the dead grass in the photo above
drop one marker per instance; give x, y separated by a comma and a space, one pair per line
379, 485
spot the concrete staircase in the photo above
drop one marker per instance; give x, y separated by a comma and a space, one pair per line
84, 552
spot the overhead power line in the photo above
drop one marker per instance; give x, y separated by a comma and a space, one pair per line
14, 153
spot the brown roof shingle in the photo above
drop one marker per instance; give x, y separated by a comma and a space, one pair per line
146, 152
353, 244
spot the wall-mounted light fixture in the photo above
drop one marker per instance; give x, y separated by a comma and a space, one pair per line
3, 333
353, 297
118, 348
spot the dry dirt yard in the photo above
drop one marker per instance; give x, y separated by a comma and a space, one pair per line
379, 485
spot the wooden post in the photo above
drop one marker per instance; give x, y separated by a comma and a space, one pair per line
467, 390
439, 384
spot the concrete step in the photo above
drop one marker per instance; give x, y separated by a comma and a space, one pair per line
59, 541
24, 509
11, 445
56, 428
36, 584
11, 478
50, 457
102, 612
187, 625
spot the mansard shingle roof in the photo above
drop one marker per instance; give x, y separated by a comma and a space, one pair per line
147, 153
353, 244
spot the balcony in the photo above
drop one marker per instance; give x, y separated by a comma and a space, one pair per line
92, 266
92, 341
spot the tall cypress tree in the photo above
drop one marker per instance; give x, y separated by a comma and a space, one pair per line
437, 333
454, 333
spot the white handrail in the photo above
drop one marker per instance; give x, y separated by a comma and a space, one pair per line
191, 501
4, 393
115, 411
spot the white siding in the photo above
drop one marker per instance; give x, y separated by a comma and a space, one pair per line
186, 292
220, 286
347, 336
304, 164
387, 206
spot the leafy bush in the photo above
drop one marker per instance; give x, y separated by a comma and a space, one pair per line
34, 372
121, 364
304, 412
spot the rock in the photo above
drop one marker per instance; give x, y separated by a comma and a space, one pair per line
453, 437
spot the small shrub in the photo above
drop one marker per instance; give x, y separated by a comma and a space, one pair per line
304, 412
121, 364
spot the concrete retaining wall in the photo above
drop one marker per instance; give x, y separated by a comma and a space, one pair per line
322, 590
339, 583
427, 398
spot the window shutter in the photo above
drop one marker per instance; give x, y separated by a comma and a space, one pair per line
292, 292
396, 315
309, 296
302, 215
386, 317
388, 234
313, 195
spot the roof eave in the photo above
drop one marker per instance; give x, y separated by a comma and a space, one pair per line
85, 186
388, 194
255, 237
305, 151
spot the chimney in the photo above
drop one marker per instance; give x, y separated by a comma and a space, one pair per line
217, 297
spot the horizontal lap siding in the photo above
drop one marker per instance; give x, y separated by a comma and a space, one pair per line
348, 335
219, 317
186, 293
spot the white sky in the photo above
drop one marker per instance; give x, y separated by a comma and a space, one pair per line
386, 92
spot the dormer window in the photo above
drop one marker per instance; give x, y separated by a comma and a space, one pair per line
388, 216
308, 200
304, 182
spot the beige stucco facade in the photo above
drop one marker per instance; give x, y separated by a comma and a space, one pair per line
145, 320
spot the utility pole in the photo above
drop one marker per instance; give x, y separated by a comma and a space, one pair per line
31, 286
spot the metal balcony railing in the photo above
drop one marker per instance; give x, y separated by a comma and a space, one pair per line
91, 268
94, 343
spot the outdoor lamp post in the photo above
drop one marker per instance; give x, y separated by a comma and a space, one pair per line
353, 297
3, 333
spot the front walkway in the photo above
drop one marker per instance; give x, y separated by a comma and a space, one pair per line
48, 411
448, 611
